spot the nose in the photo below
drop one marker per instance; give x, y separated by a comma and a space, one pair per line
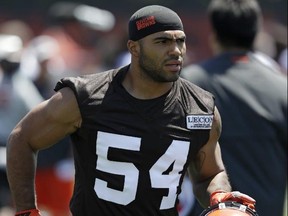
175, 49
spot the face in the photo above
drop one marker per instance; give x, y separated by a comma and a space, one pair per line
161, 55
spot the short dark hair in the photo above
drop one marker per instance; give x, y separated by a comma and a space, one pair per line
235, 22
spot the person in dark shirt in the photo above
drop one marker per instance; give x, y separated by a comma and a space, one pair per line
251, 96
136, 131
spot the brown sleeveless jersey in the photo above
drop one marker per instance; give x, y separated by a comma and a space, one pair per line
131, 155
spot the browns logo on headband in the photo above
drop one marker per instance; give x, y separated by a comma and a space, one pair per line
152, 19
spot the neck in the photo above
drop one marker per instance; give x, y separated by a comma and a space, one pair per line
218, 48
141, 88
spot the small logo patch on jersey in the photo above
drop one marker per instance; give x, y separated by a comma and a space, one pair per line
195, 122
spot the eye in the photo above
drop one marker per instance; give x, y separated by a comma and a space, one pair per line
163, 41
181, 40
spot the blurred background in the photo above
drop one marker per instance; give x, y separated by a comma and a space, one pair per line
42, 41
192, 13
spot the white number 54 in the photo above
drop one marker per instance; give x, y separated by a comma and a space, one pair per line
176, 153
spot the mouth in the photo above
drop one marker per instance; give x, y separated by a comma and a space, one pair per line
174, 65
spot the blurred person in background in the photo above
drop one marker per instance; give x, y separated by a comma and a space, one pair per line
18, 95
54, 165
68, 46
18, 28
36, 63
283, 59
265, 49
77, 28
251, 96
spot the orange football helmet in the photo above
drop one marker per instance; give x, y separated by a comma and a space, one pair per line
229, 209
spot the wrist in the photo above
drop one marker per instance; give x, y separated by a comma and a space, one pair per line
217, 191
29, 212
217, 196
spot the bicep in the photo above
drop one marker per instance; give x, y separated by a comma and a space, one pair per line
208, 161
50, 121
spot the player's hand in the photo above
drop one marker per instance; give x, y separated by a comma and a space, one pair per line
223, 196
30, 212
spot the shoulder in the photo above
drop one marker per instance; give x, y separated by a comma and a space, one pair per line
85, 81
186, 84
266, 61
200, 74
192, 72
83, 86
189, 89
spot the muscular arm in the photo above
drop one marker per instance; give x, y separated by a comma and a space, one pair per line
207, 171
42, 127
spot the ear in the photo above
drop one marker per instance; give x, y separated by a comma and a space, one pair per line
214, 44
212, 39
133, 47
